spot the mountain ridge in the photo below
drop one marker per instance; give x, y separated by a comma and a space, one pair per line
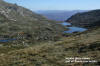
86, 19
59, 15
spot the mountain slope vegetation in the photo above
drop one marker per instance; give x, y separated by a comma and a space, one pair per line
86, 19
16, 20
86, 44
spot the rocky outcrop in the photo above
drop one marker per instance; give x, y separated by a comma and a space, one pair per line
87, 19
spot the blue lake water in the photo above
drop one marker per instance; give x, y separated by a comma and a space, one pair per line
7, 40
73, 28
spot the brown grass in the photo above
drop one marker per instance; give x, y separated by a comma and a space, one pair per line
54, 53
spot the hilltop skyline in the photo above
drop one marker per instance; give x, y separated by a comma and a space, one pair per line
58, 4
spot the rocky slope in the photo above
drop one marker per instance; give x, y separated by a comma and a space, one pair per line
87, 19
16, 20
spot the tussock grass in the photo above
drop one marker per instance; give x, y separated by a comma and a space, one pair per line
54, 53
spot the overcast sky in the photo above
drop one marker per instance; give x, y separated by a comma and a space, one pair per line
58, 4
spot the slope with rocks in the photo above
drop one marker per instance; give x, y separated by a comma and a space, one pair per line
15, 19
87, 19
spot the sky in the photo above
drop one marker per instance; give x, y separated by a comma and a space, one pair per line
58, 4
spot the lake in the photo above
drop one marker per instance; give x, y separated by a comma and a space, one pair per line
73, 28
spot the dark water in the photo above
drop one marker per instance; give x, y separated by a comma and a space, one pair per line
73, 28
7, 40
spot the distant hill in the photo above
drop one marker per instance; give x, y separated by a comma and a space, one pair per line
86, 19
59, 15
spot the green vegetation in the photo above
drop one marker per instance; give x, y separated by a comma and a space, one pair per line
54, 53
15, 19
39, 42
88, 19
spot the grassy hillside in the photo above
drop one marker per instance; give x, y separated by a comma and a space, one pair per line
15, 20
86, 44
87, 19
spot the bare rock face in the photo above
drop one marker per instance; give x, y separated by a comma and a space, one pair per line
15, 19
86, 19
